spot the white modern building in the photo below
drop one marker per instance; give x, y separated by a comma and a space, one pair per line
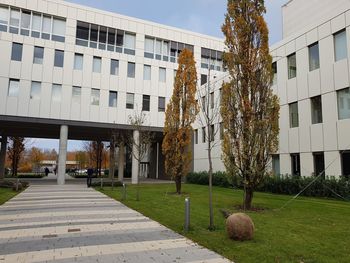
73, 72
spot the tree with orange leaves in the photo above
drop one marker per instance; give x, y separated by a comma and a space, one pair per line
179, 116
250, 111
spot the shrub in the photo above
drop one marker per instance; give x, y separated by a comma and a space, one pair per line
12, 184
27, 175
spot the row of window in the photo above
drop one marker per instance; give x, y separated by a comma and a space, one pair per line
29, 23
56, 95
211, 59
340, 52
343, 103
318, 161
105, 38
212, 132
17, 50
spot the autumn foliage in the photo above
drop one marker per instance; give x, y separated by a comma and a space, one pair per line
179, 116
250, 111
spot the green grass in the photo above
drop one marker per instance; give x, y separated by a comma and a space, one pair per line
6, 194
307, 230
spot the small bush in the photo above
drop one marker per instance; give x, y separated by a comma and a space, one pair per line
27, 175
12, 184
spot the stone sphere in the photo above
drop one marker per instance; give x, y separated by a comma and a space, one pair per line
240, 227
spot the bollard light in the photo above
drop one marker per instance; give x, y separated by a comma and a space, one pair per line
187, 213
124, 192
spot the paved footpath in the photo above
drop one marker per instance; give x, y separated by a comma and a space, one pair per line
72, 223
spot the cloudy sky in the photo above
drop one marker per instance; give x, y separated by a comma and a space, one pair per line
202, 16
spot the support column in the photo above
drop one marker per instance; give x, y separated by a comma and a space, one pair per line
135, 161
157, 162
62, 155
111, 158
3, 156
121, 162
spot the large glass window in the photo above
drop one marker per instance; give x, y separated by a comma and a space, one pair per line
295, 161
340, 46
345, 162
314, 57
78, 61
129, 44
129, 100
82, 34
147, 72
95, 97
4, 18
13, 88
274, 72
25, 22
114, 67
319, 166
16, 52
58, 30
131, 70
46, 27
343, 104
161, 104
292, 66
113, 95
36, 25
96, 65
102, 38
276, 164
38, 55
76, 95
316, 110
14, 21
111, 39
293, 115
59, 58
56, 92
146, 102
149, 47
35, 90
162, 74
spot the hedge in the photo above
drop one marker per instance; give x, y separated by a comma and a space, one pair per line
290, 185
26, 175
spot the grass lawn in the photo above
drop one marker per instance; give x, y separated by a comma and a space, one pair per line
307, 230
6, 194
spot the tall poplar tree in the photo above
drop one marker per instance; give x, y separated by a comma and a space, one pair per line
179, 116
250, 110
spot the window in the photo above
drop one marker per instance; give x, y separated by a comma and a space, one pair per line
113, 95
340, 45
161, 104
96, 65
56, 92
129, 100
204, 136
343, 104
35, 90
25, 22
14, 21
221, 130
82, 34
102, 38
316, 110
36, 25
314, 57
129, 44
162, 74
293, 115
16, 54
147, 72
59, 58
204, 79
212, 132
46, 27
115, 67
145, 102
274, 71
211, 59
345, 162
4, 18
276, 164
38, 55
295, 159
204, 103
196, 136
292, 66
78, 61
58, 30
149, 47
212, 100
76, 95
95, 97
13, 88
319, 166
131, 70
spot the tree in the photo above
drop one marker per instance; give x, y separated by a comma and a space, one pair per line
15, 150
179, 116
249, 110
140, 145
81, 159
95, 154
36, 157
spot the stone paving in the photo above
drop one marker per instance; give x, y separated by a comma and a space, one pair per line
73, 223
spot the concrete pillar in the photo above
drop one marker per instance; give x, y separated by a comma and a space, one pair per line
111, 159
135, 161
121, 162
62, 155
3, 156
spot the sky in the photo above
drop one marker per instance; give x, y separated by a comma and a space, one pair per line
202, 16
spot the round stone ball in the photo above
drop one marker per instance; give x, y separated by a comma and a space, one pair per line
240, 227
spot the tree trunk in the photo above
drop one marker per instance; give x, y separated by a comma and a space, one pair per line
248, 198
178, 184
